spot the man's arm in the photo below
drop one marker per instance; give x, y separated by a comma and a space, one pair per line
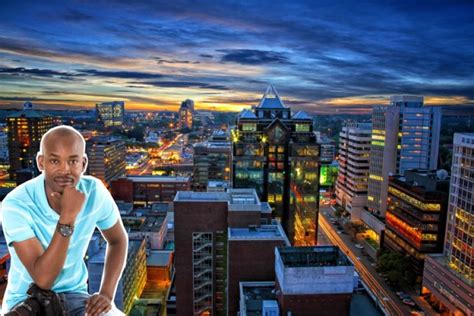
44, 266
116, 254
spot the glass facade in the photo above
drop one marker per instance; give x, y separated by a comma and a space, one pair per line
459, 244
277, 155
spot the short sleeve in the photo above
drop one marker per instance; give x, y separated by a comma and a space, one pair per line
108, 210
16, 222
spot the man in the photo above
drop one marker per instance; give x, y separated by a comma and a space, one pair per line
49, 221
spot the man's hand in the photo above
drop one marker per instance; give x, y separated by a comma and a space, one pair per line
70, 203
98, 304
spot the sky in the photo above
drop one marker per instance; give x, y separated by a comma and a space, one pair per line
322, 56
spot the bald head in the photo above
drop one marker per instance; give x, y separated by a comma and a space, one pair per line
62, 133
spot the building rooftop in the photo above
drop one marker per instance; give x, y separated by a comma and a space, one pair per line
238, 199
154, 179
271, 99
159, 258
252, 296
264, 232
247, 114
319, 256
301, 116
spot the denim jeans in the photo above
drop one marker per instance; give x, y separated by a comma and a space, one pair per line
75, 304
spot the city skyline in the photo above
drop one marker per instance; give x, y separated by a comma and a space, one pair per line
330, 57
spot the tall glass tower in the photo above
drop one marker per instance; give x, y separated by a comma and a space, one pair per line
275, 152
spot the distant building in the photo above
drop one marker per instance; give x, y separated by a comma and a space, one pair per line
146, 225
133, 278
449, 279
185, 114
25, 129
142, 190
110, 114
3, 147
352, 180
211, 231
275, 152
327, 149
212, 160
313, 281
106, 158
416, 214
405, 135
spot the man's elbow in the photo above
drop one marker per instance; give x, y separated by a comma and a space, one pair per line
43, 283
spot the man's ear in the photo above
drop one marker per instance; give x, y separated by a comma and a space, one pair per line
84, 163
40, 162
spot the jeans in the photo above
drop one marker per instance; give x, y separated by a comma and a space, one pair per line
75, 304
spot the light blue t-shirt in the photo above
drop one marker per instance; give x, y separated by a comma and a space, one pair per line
26, 214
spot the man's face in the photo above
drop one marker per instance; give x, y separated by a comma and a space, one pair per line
62, 162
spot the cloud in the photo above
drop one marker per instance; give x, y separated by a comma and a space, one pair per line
120, 74
182, 84
35, 72
253, 57
174, 61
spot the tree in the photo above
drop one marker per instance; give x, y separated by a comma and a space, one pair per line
397, 269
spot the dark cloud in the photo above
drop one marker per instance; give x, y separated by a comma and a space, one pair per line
36, 72
120, 74
253, 57
206, 55
182, 84
173, 61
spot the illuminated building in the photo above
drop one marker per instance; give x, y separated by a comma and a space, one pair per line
106, 158
142, 190
405, 135
133, 278
218, 234
416, 214
354, 150
3, 147
212, 161
186, 111
275, 152
448, 280
25, 129
110, 114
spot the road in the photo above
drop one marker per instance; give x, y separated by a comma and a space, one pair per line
390, 303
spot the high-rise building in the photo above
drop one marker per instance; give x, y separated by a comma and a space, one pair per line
416, 214
212, 160
25, 129
211, 229
106, 158
110, 114
405, 135
186, 111
352, 179
448, 280
275, 152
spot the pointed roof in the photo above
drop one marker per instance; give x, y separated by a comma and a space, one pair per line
247, 114
271, 100
301, 116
